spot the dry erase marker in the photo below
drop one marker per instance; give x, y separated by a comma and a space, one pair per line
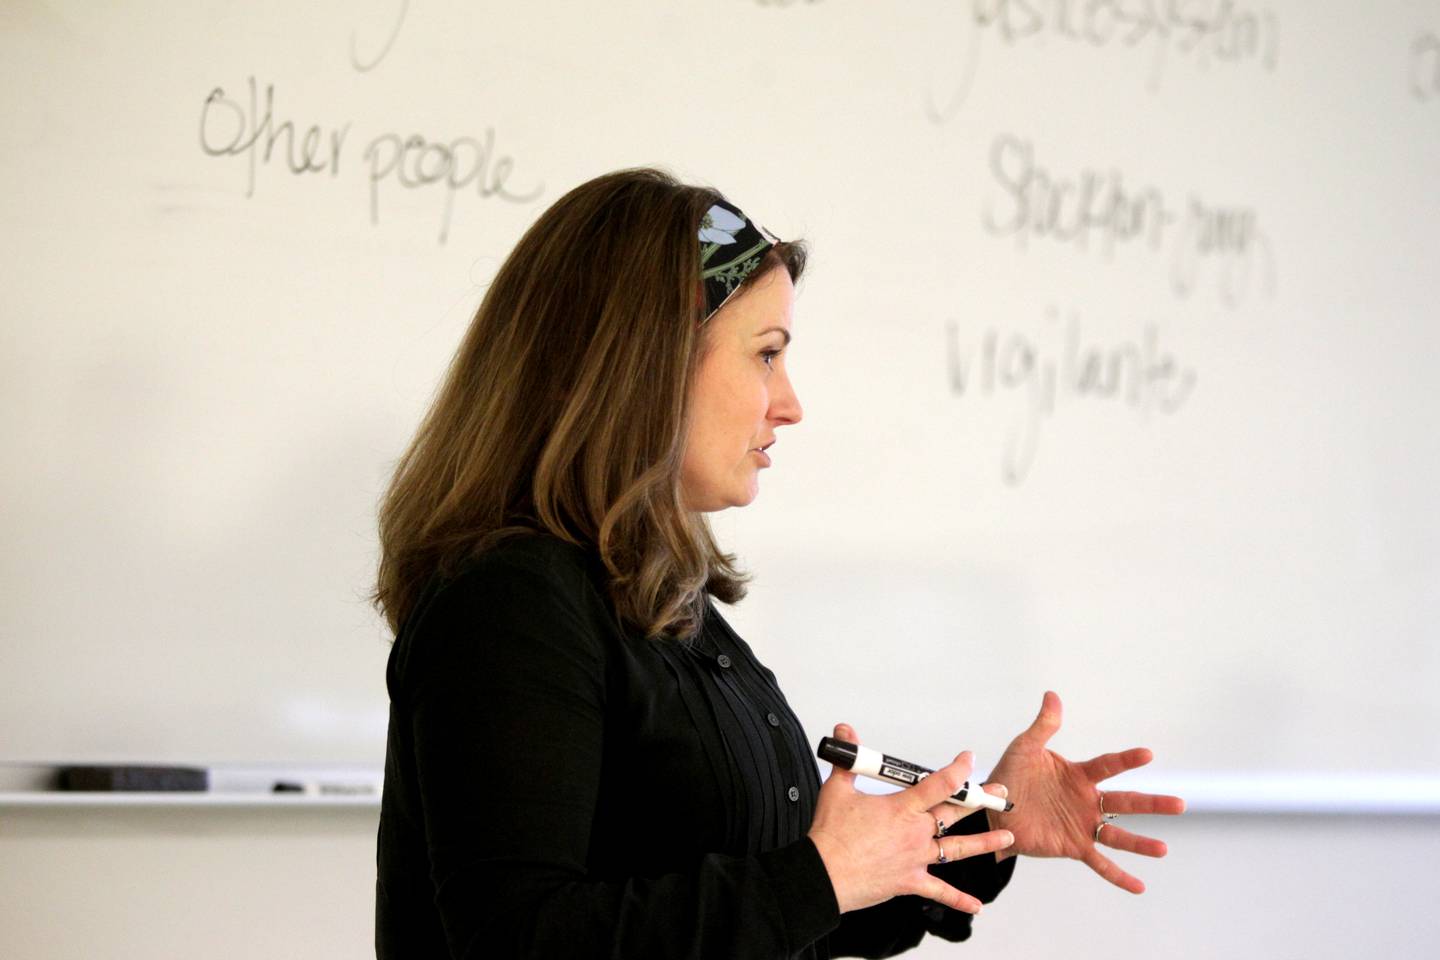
878, 766
310, 788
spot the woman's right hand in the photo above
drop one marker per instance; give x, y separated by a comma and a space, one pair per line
878, 847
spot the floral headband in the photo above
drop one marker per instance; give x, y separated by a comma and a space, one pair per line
731, 247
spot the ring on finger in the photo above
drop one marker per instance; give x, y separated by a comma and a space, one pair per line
1104, 817
1101, 826
940, 827
941, 847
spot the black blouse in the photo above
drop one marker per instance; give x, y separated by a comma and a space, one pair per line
557, 788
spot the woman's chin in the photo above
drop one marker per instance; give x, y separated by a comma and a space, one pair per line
744, 491
744, 496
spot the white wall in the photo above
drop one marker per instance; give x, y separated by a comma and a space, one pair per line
237, 884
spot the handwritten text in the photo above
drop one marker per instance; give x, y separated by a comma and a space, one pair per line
1206, 31
231, 128
1099, 209
1044, 373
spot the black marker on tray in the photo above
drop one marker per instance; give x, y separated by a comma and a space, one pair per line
878, 766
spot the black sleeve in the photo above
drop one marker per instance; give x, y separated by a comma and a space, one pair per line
898, 924
505, 693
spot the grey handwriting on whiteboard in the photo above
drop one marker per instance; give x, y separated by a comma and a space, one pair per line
1227, 33
228, 128
1041, 372
1425, 67
384, 50
1096, 209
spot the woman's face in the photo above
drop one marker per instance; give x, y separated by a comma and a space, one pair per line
741, 394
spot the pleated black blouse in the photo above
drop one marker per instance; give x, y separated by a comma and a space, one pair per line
557, 788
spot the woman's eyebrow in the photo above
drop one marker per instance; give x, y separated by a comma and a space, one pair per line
780, 330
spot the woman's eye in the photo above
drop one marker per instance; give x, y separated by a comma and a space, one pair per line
769, 356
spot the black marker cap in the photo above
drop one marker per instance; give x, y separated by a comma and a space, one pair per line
841, 753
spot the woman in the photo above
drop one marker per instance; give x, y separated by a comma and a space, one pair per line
583, 758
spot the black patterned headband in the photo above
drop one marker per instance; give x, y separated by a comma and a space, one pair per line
731, 247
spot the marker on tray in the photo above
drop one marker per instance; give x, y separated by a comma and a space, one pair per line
310, 788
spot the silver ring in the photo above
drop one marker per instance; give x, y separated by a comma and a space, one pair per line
942, 858
1102, 802
1098, 827
939, 827
1105, 817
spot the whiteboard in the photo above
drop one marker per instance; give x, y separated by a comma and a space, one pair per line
1116, 352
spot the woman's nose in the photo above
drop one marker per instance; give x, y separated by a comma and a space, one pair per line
784, 404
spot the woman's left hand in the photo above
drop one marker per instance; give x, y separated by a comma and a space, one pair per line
1057, 801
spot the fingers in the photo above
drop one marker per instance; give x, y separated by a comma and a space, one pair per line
1047, 722
841, 776
1108, 765
1128, 801
950, 814
943, 782
972, 845
941, 892
1106, 867
953, 814
1122, 839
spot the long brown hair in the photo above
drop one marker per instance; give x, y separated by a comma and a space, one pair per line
565, 409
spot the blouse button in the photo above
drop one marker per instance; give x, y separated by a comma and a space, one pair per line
773, 720
723, 660
794, 794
